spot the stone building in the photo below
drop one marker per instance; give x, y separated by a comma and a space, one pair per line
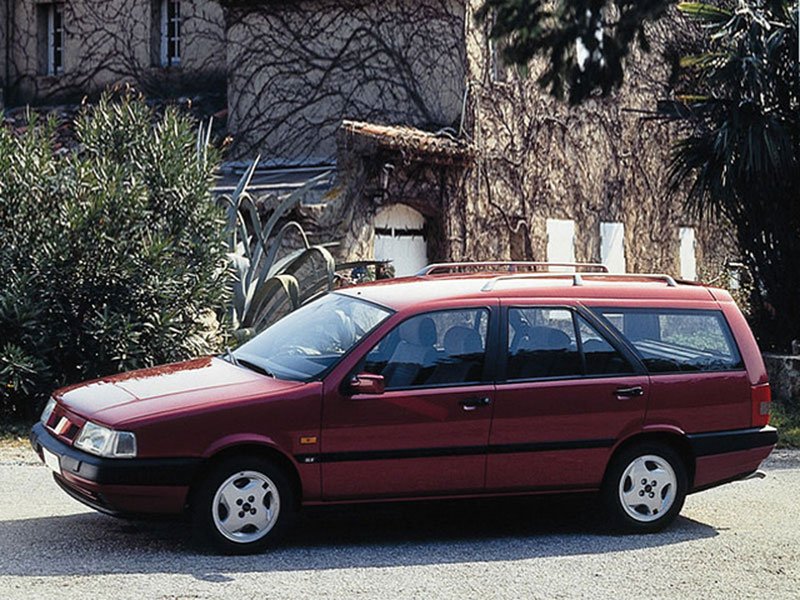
440, 151
56, 51
5, 39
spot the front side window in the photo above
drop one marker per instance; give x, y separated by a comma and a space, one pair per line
310, 340
671, 341
554, 342
432, 349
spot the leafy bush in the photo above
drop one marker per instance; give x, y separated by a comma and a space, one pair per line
112, 256
787, 421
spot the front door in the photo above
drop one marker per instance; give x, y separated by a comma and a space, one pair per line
427, 433
569, 391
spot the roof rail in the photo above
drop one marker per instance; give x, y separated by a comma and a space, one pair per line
578, 278
668, 279
510, 265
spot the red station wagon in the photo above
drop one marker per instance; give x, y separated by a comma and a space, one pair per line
446, 384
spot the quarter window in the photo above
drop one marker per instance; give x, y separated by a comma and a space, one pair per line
438, 348
670, 341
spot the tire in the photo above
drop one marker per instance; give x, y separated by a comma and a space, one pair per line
631, 500
262, 500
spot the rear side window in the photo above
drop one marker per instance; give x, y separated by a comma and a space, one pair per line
553, 342
670, 341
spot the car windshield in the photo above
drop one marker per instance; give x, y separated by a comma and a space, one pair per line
308, 341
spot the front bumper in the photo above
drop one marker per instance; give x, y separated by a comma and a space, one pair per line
118, 485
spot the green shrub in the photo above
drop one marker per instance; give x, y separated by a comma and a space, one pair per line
788, 423
112, 256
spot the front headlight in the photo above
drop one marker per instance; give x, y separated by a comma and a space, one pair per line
48, 410
106, 442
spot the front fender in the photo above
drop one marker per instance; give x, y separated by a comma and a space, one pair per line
243, 439
308, 477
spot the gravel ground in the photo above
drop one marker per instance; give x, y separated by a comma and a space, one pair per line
737, 541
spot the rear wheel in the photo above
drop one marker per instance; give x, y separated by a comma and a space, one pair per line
645, 488
243, 505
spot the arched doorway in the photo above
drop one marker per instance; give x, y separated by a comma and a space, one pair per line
400, 237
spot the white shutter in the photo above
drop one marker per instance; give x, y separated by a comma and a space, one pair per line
164, 26
561, 241
687, 256
612, 246
399, 237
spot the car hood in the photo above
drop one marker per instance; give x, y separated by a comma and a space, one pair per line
169, 388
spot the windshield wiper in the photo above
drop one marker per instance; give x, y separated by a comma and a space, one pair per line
230, 357
254, 367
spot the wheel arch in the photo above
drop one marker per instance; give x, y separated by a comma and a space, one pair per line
675, 439
251, 449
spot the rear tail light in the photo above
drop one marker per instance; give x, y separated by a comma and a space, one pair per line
760, 401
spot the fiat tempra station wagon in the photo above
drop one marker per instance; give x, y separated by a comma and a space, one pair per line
465, 380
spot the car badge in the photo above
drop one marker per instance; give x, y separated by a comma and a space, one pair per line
62, 426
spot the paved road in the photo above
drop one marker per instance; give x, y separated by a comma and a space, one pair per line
737, 541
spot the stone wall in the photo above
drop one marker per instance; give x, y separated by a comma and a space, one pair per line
536, 158
4, 26
601, 161
428, 185
297, 69
784, 380
108, 42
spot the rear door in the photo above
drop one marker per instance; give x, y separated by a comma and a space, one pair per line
568, 389
698, 379
428, 432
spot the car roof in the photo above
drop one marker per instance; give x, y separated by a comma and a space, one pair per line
402, 293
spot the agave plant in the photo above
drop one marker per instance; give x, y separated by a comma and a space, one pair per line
268, 276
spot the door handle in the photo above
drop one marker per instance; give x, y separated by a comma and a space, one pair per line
629, 392
473, 403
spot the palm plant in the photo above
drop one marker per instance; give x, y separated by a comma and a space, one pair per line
740, 157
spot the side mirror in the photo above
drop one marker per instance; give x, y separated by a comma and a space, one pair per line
367, 383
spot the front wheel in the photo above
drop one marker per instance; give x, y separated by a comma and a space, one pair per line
242, 506
645, 488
